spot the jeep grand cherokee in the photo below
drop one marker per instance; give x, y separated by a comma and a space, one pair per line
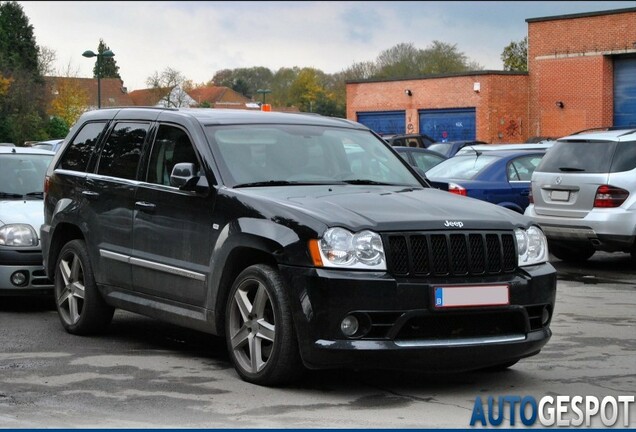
306, 241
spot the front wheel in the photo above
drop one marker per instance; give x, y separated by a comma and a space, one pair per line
259, 329
81, 308
572, 253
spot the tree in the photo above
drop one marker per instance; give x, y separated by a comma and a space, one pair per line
441, 58
515, 56
109, 68
70, 103
169, 87
22, 105
400, 61
46, 60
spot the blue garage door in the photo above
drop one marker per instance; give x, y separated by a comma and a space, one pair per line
384, 122
448, 124
625, 91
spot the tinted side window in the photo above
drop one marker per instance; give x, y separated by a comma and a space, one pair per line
578, 156
625, 157
122, 150
79, 151
172, 146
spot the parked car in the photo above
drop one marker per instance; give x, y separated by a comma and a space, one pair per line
450, 148
279, 232
584, 194
21, 215
543, 145
421, 158
410, 140
500, 177
53, 145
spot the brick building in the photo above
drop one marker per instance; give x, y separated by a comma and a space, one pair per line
581, 74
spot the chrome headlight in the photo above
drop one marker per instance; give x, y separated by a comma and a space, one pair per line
341, 248
532, 246
18, 235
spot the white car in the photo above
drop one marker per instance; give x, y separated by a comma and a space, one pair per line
22, 172
584, 193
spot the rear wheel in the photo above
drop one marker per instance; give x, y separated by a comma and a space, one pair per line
260, 333
81, 308
571, 253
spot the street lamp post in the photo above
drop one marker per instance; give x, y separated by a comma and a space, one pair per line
107, 53
263, 92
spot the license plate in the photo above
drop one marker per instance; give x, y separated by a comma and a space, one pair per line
471, 296
557, 195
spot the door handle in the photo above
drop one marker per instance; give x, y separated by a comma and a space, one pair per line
145, 206
90, 194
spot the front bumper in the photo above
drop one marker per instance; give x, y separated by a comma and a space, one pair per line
27, 262
403, 330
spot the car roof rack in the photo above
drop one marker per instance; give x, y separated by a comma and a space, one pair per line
629, 130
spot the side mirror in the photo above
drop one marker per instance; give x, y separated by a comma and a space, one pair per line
183, 175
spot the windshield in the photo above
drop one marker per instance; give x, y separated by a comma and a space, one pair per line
443, 148
22, 174
261, 155
461, 167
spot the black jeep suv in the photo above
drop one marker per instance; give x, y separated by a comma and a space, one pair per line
306, 241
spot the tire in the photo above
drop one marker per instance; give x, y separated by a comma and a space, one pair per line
259, 328
80, 306
571, 253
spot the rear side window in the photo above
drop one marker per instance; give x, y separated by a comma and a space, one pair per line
578, 156
79, 151
122, 150
625, 157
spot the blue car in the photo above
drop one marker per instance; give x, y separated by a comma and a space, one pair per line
499, 176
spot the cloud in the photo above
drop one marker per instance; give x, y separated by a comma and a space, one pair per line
200, 38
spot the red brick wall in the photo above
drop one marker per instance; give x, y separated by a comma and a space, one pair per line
501, 105
570, 60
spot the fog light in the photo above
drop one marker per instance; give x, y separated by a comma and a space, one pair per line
349, 325
545, 316
19, 278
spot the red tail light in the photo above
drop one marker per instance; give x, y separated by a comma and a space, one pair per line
46, 184
530, 196
610, 196
456, 189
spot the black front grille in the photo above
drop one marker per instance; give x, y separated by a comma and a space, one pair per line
451, 254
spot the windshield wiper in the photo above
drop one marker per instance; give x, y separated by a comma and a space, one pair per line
570, 169
371, 182
285, 183
35, 194
10, 195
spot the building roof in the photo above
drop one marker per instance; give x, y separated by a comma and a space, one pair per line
434, 76
581, 15
148, 97
113, 92
218, 96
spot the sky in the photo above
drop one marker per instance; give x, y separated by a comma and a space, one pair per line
200, 38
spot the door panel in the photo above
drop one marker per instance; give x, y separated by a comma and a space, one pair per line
172, 228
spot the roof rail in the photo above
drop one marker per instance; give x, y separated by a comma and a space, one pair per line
607, 128
142, 106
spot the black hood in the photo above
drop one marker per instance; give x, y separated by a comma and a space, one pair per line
382, 208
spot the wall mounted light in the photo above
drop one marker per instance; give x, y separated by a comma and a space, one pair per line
408, 92
559, 104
